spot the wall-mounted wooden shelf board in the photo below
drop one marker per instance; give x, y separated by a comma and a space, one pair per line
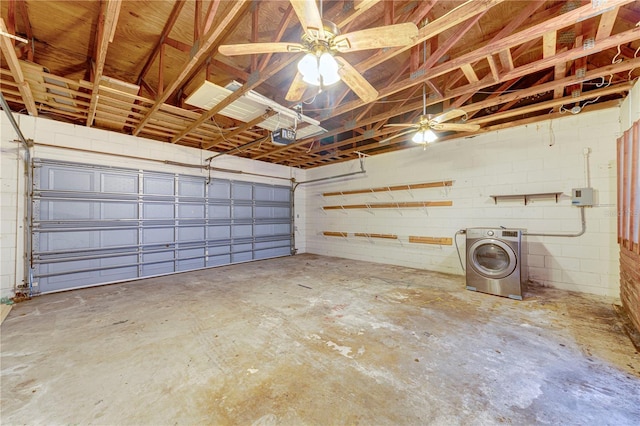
334, 234
383, 236
406, 187
398, 205
443, 241
526, 197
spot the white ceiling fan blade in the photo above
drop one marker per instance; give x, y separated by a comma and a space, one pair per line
455, 127
397, 135
449, 115
377, 38
309, 16
356, 81
297, 89
258, 48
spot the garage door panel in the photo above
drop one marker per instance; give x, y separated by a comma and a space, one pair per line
191, 211
157, 268
195, 233
68, 210
219, 212
220, 189
219, 232
117, 210
189, 187
272, 212
272, 252
242, 191
242, 212
118, 237
119, 183
215, 250
63, 179
241, 231
95, 225
69, 240
158, 185
219, 260
158, 235
158, 211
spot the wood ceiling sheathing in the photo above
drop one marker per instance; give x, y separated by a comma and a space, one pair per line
65, 45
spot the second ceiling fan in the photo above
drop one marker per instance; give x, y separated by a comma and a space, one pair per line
424, 130
322, 44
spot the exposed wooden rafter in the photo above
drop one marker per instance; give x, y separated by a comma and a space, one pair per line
106, 31
210, 39
12, 60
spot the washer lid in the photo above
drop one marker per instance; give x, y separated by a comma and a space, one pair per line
492, 258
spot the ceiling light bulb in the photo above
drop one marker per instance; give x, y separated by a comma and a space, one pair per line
308, 67
424, 136
328, 68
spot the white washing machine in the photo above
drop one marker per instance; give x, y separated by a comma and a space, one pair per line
496, 261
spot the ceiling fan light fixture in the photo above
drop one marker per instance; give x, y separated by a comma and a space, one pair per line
308, 67
328, 69
322, 70
424, 136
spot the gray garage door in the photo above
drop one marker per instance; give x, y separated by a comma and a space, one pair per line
95, 225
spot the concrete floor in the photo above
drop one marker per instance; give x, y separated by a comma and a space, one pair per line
315, 340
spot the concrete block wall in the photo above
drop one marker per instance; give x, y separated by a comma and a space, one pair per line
12, 202
62, 135
546, 157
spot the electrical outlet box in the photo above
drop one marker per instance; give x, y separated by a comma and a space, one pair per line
582, 196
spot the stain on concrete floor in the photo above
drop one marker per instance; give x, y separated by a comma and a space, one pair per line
316, 340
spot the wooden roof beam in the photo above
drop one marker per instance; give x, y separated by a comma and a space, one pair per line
606, 23
456, 16
619, 88
529, 34
255, 80
469, 72
207, 44
393, 79
287, 16
9, 53
506, 60
451, 41
525, 15
471, 108
245, 126
520, 111
255, 22
107, 22
24, 13
540, 81
168, 26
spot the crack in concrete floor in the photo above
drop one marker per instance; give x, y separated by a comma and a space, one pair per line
316, 340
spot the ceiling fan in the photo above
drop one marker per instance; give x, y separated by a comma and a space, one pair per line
424, 130
322, 42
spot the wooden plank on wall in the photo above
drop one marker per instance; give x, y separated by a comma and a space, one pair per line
398, 205
383, 236
334, 234
444, 241
392, 188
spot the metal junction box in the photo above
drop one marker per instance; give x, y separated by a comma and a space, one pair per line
582, 196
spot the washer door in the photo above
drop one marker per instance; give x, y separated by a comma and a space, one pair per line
492, 258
